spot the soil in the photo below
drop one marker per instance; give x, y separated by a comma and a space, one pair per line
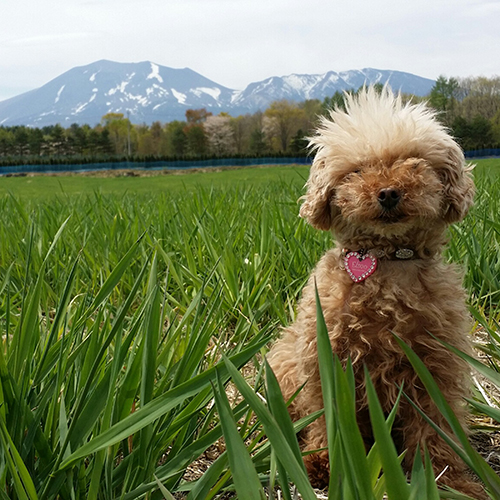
131, 172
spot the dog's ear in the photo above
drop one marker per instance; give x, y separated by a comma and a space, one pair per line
458, 186
317, 208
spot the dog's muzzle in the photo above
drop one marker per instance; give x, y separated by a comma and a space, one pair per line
389, 198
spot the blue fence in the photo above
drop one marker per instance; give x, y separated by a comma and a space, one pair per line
483, 153
187, 164
153, 165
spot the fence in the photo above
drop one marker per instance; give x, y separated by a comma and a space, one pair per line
482, 153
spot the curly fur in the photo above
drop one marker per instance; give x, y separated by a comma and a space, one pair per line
380, 143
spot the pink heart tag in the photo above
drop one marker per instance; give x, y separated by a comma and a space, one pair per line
358, 266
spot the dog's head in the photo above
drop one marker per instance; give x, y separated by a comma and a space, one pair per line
385, 168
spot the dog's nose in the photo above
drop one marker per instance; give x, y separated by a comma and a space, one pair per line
389, 197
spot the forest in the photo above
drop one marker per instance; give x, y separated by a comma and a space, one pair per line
469, 107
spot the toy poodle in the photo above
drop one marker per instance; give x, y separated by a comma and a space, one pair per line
387, 179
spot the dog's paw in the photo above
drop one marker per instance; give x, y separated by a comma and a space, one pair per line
318, 469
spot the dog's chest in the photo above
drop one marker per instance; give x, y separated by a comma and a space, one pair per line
400, 297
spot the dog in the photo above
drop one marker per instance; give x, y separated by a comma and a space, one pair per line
387, 179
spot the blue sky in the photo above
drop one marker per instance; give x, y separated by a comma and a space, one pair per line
236, 42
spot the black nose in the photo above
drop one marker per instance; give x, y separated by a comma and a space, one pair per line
389, 197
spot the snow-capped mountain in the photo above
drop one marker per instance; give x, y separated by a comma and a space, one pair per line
149, 92
300, 87
84, 94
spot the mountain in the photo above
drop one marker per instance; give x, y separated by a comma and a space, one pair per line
301, 87
84, 94
149, 92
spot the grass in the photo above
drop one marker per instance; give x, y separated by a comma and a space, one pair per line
44, 187
125, 306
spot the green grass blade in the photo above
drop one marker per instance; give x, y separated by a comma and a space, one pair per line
203, 486
474, 460
115, 276
29, 331
166, 494
159, 406
492, 375
56, 239
326, 370
24, 486
397, 487
279, 410
273, 431
60, 312
349, 433
373, 458
244, 475
491, 411
432, 492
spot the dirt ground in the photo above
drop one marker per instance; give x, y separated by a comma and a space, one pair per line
131, 172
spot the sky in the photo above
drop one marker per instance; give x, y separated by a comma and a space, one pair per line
236, 42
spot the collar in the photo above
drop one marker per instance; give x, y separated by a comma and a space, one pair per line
398, 254
360, 264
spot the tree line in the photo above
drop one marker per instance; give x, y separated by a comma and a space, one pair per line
469, 107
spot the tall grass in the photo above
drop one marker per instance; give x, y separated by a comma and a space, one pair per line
115, 314
123, 316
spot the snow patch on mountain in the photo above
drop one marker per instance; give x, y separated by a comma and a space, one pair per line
155, 73
214, 92
181, 98
59, 92
120, 87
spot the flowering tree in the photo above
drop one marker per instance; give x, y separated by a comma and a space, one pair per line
220, 135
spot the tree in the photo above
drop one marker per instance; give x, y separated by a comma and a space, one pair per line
145, 144
313, 109
443, 97
119, 129
461, 130
21, 140
6, 142
99, 142
176, 138
240, 127
482, 97
298, 144
258, 145
197, 116
78, 136
36, 141
337, 101
58, 140
283, 120
481, 135
475, 134
220, 135
495, 129
196, 140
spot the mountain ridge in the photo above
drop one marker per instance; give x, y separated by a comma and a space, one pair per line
149, 92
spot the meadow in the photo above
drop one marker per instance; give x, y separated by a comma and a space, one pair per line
127, 305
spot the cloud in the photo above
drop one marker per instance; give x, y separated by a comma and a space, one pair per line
235, 42
48, 39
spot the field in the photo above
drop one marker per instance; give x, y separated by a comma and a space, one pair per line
127, 302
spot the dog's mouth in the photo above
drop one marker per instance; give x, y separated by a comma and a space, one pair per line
392, 217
